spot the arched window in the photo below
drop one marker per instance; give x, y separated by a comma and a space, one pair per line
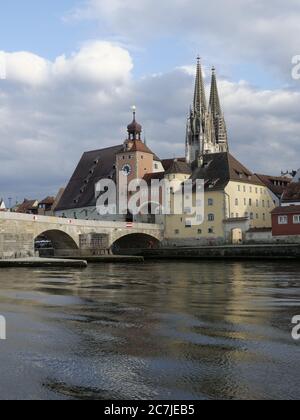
211, 217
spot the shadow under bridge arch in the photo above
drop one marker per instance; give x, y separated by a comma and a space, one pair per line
133, 243
55, 242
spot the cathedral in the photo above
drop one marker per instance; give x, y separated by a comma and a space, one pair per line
236, 200
206, 127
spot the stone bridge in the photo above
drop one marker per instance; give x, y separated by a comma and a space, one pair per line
18, 233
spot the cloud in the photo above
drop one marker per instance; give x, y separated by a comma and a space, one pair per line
25, 67
51, 115
230, 30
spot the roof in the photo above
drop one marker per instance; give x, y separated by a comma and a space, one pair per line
291, 193
93, 166
139, 146
167, 163
48, 201
276, 184
179, 167
26, 206
220, 168
156, 175
286, 210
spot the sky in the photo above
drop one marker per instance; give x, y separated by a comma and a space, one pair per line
71, 70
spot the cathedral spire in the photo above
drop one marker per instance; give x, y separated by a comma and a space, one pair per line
216, 112
200, 104
214, 101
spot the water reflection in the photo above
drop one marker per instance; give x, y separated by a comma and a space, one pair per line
156, 330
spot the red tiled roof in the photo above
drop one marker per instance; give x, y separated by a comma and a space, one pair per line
286, 210
272, 182
292, 192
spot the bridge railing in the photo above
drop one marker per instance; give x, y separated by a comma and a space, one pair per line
78, 222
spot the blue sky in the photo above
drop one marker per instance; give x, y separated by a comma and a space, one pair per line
41, 27
74, 68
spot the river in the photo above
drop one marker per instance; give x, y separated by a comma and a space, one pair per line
159, 330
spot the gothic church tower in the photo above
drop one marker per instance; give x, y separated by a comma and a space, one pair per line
206, 128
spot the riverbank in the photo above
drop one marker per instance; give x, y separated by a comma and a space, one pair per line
234, 252
42, 262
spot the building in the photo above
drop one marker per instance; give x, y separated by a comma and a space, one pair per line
286, 223
27, 207
206, 128
133, 158
286, 218
276, 185
236, 199
291, 195
45, 206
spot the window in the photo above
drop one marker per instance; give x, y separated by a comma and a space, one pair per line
199, 232
250, 202
257, 203
211, 230
245, 201
177, 232
244, 188
257, 216
211, 217
283, 220
210, 202
246, 214
269, 204
251, 216
250, 189
256, 190
296, 219
188, 223
236, 201
264, 217
263, 203
199, 218
239, 188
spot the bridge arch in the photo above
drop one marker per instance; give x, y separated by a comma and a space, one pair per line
131, 243
59, 239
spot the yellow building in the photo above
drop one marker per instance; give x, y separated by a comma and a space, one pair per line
235, 200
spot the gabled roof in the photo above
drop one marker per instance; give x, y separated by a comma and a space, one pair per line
178, 167
139, 146
276, 184
167, 163
220, 168
291, 193
93, 166
27, 205
47, 201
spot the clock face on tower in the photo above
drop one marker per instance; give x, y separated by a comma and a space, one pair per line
126, 170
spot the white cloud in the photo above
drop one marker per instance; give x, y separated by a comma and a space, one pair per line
25, 67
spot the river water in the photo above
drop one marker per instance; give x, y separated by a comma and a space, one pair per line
159, 330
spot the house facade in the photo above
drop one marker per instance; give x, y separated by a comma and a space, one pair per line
286, 223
